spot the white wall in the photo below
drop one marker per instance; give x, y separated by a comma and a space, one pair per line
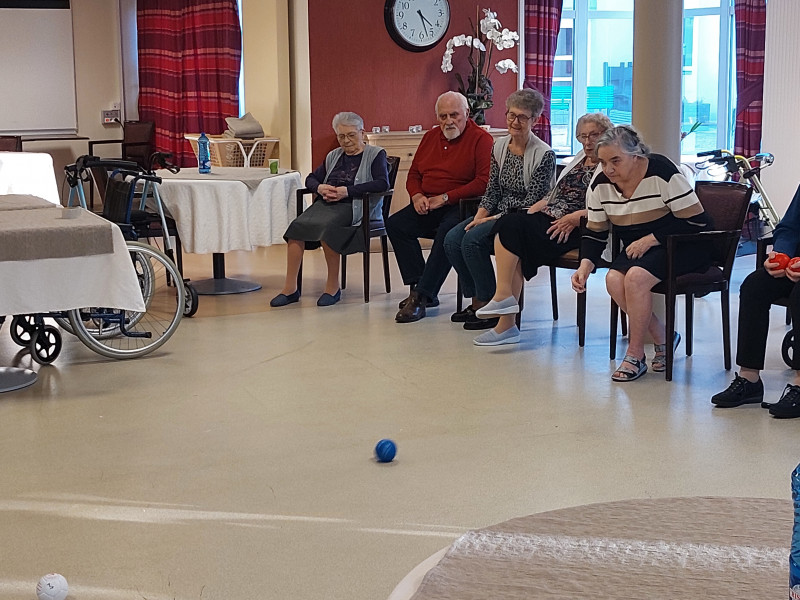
781, 125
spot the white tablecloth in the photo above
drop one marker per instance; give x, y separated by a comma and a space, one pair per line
28, 173
231, 208
54, 284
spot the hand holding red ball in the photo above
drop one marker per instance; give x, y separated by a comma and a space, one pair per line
778, 261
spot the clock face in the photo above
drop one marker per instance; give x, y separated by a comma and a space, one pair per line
417, 25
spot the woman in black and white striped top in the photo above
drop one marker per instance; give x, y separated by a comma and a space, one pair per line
646, 198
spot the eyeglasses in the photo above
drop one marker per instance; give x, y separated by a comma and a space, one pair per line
511, 117
585, 137
352, 136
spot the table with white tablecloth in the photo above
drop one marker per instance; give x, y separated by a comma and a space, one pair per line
231, 208
49, 274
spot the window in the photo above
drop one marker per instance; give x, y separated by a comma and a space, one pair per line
593, 70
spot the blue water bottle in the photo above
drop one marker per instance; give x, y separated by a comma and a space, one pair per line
203, 158
794, 553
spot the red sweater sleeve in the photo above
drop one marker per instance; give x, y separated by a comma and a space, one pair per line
459, 167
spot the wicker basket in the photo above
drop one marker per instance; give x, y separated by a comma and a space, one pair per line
234, 152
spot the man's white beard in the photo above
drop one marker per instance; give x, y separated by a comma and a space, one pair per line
451, 133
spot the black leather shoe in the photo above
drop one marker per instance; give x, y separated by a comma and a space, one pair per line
414, 309
462, 316
428, 304
476, 323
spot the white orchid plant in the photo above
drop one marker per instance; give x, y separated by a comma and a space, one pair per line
478, 87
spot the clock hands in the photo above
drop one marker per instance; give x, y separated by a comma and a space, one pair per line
424, 20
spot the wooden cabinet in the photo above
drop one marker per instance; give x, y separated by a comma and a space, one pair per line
404, 145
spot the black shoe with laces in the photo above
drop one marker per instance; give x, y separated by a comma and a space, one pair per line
739, 392
788, 407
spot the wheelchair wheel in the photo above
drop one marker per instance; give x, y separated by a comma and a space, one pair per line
787, 350
45, 345
22, 329
192, 300
121, 334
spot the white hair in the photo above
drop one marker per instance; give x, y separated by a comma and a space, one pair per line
457, 96
347, 118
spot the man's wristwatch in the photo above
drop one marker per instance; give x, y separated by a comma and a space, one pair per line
446, 199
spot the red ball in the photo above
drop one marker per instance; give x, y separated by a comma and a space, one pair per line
780, 260
794, 264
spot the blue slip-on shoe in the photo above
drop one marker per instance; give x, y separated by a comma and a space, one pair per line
328, 299
492, 338
283, 299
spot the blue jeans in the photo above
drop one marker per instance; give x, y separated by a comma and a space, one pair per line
470, 254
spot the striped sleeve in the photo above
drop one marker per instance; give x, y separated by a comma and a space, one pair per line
595, 236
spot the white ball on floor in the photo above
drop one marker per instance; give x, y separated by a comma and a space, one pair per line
52, 587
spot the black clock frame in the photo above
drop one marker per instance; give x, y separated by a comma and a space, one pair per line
388, 19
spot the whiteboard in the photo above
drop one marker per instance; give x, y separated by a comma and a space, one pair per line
37, 71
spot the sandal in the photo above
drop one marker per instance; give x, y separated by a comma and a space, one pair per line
625, 374
659, 362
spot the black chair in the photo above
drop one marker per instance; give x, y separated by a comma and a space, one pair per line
726, 205
137, 145
10, 143
369, 229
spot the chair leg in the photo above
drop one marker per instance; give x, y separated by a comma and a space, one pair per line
385, 252
459, 296
612, 337
179, 252
689, 324
344, 271
521, 303
581, 310
553, 293
670, 327
726, 327
366, 275
300, 279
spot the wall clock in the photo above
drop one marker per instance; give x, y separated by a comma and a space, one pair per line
417, 25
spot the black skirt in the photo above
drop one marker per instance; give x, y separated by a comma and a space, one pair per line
525, 235
329, 222
690, 258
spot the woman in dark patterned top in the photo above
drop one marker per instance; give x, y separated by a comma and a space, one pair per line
526, 241
522, 171
646, 198
332, 220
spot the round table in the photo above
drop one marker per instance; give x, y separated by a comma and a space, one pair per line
677, 548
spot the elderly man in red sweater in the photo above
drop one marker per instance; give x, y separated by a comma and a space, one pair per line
451, 163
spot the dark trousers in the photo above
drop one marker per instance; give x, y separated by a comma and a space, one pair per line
405, 227
758, 291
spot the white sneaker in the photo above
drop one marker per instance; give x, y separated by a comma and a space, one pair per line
492, 338
507, 306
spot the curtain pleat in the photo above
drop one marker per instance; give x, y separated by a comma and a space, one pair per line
751, 29
542, 23
189, 60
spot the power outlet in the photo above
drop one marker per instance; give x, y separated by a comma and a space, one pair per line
110, 116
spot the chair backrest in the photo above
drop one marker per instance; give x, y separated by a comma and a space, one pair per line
725, 203
10, 143
138, 141
393, 164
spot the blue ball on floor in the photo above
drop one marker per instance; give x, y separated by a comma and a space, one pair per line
385, 451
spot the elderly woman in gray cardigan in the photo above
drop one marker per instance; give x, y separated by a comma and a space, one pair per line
333, 218
522, 171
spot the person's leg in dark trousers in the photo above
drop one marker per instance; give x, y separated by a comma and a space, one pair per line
404, 228
438, 265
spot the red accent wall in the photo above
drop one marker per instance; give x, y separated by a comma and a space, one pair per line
356, 66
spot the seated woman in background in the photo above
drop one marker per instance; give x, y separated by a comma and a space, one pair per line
522, 171
526, 241
646, 198
333, 218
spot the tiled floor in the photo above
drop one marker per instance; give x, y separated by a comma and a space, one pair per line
236, 462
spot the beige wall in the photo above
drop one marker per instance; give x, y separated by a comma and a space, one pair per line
97, 80
267, 95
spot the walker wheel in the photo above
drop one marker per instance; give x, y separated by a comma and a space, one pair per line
787, 348
45, 345
192, 300
22, 329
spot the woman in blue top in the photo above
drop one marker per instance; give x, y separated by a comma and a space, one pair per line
756, 294
332, 220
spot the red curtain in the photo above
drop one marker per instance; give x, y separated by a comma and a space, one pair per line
541, 26
189, 59
751, 29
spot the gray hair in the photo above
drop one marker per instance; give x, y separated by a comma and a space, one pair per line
455, 95
599, 119
347, 118
626, 137
527, 99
